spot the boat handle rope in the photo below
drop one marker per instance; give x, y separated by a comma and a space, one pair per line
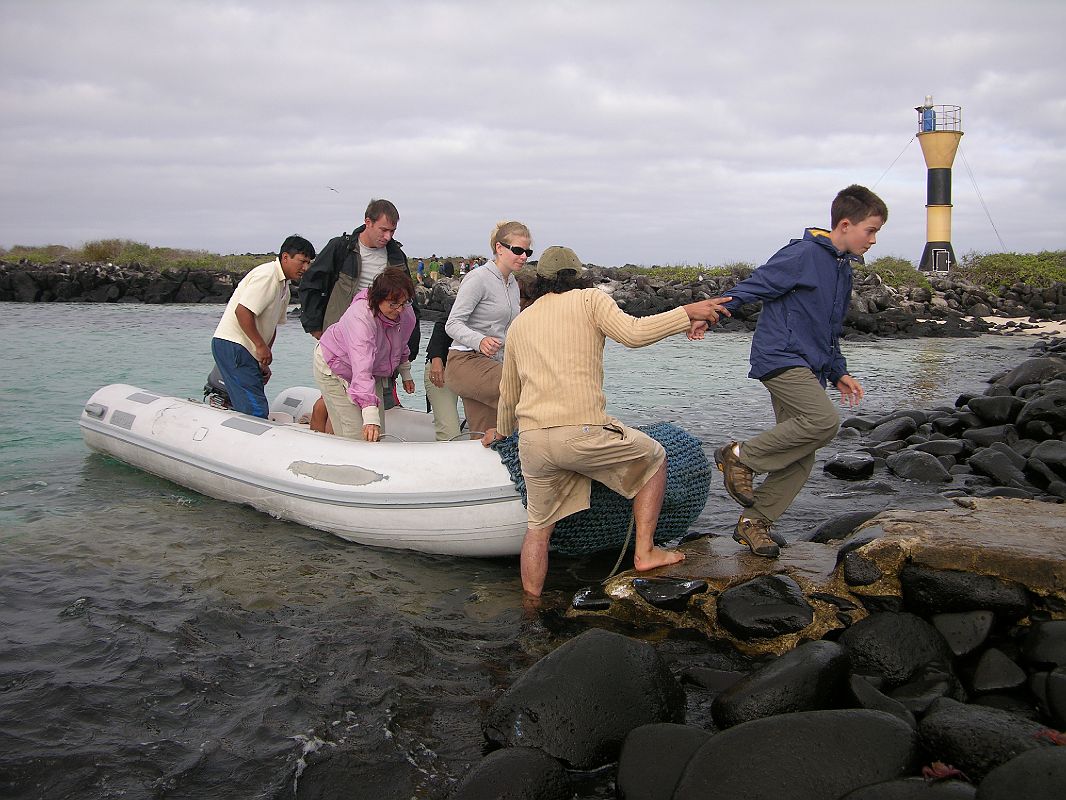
621, 555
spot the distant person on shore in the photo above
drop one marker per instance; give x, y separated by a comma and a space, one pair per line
362, 350
349, 263
486, 304
805, 290
552, 392
242, 342
421, 270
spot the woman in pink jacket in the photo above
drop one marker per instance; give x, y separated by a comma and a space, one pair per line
365, 346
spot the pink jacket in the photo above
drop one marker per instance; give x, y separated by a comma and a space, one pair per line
360, 347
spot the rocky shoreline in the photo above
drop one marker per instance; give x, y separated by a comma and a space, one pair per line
901, 654
952, 308
906, 654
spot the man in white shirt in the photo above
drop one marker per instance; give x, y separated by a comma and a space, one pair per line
243, 339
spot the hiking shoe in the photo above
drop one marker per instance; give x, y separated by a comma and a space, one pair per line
736, 476
755, 534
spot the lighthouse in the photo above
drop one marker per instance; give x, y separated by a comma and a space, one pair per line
939, 132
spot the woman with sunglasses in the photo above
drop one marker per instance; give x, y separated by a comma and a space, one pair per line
365, 347
487, 303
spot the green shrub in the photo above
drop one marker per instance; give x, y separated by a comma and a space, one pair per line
895, 272
995, 270
124, 252
103, 249
685, 272
39, 255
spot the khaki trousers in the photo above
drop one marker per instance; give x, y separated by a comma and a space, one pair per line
806, 421
344, 415
444, 403
476, 379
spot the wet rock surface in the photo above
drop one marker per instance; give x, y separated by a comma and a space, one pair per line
1034, 775
668, 593
578, 703
516, 773
653, 758
912, 653
814, 755
976, 739
766, 606
811, 677
914, 789
893, 647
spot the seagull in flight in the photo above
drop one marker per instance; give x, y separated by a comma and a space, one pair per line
333, 190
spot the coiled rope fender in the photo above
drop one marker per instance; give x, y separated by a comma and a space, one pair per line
603, 525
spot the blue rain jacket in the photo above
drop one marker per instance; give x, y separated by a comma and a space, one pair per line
805, 289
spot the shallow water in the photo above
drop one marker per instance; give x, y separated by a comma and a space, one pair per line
157, 643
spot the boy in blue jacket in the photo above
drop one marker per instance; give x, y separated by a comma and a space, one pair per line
805, 289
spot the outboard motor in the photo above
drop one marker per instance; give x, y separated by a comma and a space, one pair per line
215, 394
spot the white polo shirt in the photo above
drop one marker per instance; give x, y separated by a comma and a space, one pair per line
265, 292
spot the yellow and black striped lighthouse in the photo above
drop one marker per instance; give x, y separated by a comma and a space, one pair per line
939, 132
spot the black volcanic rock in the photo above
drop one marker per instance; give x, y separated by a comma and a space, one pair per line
770, 605
814, 755
812, 676
581, 700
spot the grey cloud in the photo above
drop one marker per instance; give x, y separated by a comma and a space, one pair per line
650, 133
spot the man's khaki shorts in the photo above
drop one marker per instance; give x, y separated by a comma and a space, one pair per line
559, 465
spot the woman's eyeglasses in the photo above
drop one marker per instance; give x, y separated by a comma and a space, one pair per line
397, 306
518, 251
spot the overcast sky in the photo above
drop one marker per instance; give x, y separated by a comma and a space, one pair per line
652, 132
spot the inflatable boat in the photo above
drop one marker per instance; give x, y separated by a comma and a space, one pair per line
407, 491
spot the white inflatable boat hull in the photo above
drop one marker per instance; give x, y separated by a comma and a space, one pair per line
453, 498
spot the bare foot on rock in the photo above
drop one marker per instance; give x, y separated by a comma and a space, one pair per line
657, 558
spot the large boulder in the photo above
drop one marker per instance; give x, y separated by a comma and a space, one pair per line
1045, 644
987, 436
330, 775
653, 758
894, 647
1035, 370
892, 430
811, 677
938, 591
812, 755
914, 789
1049, 408
1052, 453
515, 773
996, 410
850, 466
1038, 774
580, 701
917, 466
976, 739
770, 605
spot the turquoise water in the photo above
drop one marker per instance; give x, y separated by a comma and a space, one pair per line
154, 642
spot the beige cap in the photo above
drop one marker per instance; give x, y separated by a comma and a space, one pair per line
555, 259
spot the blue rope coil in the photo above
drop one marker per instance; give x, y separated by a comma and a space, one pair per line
604, 524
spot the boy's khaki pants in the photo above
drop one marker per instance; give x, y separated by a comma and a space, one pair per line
806, 421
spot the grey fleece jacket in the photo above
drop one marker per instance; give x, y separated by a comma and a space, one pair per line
484, 306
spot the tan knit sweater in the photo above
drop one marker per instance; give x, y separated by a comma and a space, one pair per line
553, 361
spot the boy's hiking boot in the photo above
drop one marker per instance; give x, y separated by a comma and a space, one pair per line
755, 533
736, 476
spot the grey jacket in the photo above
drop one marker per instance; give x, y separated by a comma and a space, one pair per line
484, 306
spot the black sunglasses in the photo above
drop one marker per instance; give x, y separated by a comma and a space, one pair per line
516, 249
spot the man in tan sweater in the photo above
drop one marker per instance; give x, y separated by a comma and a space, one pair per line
552, 391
